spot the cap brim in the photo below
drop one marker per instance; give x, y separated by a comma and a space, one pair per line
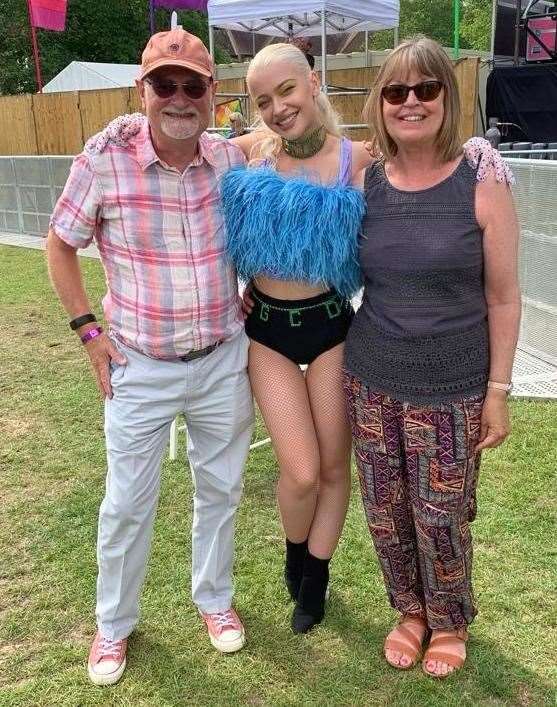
192, 66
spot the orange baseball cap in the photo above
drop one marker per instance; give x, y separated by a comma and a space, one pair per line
176, 48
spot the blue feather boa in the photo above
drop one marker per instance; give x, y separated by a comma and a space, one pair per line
292, 229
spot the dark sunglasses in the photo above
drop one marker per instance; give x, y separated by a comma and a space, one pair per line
397, 93
165, 88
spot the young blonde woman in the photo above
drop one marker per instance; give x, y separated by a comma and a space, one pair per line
292, 222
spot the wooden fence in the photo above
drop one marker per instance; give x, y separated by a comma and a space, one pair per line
60, 123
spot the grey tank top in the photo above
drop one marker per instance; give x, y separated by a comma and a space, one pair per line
420, 334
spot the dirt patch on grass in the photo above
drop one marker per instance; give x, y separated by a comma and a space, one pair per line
17, 427
7, 649
17, 685
524, 696
17, 651
80, 635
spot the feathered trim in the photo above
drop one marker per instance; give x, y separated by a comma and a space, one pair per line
293, 229
119, 131
487, 160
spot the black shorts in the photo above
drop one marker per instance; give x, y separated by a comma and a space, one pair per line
302, 329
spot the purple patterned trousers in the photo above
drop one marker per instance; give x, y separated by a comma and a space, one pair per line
418, 474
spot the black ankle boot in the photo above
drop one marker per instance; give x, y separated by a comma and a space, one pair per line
294, 566
310, 607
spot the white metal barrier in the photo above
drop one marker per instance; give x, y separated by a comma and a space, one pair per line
535, 371
29, 189
536, 202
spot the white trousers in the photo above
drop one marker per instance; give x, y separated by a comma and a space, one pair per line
215, 395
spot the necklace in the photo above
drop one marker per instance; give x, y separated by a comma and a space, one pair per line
307, 145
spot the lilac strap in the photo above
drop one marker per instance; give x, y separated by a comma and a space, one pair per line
345, 162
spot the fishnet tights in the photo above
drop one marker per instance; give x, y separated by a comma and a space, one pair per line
307, 423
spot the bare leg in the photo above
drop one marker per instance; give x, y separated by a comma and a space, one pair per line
280, 391
328, 406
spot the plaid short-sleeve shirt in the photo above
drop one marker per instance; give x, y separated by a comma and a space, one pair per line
161, 238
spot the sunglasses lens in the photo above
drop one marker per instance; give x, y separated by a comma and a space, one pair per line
395, 94
164, 89
195, 90
428, 90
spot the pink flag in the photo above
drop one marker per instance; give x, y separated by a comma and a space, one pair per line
49, 14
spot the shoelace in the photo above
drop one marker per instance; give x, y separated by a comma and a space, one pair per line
109, 648
225, 618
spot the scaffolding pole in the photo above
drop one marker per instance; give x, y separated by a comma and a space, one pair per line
324, 86
456, 47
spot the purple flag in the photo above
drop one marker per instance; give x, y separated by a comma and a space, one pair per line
182, 4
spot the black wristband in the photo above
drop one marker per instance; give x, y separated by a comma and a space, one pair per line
83, 319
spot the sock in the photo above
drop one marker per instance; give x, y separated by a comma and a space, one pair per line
294, 566
310, 607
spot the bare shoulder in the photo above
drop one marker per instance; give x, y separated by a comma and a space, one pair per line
494, 200
358, 179
246, 142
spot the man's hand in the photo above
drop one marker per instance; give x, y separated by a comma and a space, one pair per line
65, 274
369, 147
102, 351
495, 425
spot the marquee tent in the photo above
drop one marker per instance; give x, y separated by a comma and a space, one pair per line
303, 17
87, 75
297, 18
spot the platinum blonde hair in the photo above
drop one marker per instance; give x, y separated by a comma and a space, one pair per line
268, 148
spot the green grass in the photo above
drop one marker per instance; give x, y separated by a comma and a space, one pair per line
52, 477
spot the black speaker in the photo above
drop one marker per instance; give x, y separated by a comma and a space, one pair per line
505, 23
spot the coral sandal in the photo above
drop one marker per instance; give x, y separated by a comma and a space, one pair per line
437, 650
408, 644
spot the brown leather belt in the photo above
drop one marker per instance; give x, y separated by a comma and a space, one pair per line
199, 353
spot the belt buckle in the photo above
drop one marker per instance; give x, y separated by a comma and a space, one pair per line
200, 353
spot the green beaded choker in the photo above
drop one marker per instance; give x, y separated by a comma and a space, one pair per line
307, 145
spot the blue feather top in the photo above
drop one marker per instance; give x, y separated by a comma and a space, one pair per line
292, 229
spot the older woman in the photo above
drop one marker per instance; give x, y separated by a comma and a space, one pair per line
429, 354
237, 124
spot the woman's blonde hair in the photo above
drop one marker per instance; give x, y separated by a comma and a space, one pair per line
428, 58
268, 148
237, 117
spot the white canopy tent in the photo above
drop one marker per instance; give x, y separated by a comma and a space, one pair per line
297, 18
88, 75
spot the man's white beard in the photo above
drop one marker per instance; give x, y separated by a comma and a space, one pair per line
179, 128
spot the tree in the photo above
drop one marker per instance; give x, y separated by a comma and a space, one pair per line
113, 31
475, 28
435, 19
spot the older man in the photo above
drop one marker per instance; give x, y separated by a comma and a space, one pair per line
175, 341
